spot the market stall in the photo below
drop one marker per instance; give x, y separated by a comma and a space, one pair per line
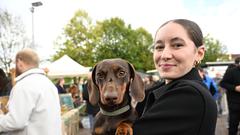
71, 120
66, 67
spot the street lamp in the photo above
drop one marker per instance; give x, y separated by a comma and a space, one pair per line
34, 4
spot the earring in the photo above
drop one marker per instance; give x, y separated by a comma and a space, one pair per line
197, 63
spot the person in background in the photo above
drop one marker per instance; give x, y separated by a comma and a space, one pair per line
60, 86
221, 91
5, 84
34, 107
231, 82
81, 83
209, 82
75, 95
235, 64
181, 105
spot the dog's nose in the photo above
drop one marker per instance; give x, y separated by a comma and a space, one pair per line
111, 97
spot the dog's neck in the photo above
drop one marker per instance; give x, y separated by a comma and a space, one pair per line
116, 112
122, 108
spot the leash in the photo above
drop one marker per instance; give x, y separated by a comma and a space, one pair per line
117, 112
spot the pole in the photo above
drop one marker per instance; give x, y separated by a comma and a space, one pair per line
35, 4
33, 42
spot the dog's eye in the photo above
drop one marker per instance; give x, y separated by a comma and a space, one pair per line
121, 73
100, 75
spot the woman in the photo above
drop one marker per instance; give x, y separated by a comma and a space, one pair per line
60, 86
181, 105
5, 84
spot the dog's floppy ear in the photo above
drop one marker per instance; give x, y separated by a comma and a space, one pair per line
137, 85
93, 89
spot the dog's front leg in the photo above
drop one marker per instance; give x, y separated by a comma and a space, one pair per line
124, 128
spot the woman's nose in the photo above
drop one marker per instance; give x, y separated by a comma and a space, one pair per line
166, 53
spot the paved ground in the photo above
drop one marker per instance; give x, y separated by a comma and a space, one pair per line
221, 128
84, 132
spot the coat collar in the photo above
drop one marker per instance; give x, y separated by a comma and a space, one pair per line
29, 72
192, 75
161, 88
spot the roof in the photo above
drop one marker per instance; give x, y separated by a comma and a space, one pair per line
66, 67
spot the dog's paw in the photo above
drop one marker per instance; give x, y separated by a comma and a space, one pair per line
124, 129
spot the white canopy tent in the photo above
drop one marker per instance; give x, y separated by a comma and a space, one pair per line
66, 67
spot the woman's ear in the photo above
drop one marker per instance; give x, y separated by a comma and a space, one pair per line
200, 52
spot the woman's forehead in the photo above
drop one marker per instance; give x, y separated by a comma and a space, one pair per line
171, 31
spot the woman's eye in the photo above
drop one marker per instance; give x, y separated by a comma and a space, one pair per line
158, 47
177, 45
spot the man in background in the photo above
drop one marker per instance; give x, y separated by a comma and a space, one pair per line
33, 106
231, 82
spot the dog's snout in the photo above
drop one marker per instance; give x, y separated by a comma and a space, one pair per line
110, 80
111, 97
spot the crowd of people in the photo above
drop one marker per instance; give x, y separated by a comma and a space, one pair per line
186, 101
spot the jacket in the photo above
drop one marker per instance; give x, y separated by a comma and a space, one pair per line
181, 107
211, 85
230, 80
34, 107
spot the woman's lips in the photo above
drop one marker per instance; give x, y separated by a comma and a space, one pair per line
166, 66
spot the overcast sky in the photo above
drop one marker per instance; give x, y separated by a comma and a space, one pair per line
219, 18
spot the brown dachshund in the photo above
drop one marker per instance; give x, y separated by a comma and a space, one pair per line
114, 84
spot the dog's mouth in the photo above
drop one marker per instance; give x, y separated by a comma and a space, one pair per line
111, 104
110, 99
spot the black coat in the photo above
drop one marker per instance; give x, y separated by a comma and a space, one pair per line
230, 80
61, 90
182, 107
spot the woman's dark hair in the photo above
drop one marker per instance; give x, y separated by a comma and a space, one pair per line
5, 84
2, 73
3, 78
193, 30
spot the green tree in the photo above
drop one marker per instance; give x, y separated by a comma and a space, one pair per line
12, 38
215, 51
111, 38
114, 39
76, 40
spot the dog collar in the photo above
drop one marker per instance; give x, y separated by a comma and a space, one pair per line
115, 113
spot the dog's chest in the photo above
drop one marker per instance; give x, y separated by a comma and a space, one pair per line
108, 125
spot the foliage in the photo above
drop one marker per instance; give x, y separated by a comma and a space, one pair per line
215, 51
12, 38
111, 38
76, 41
116, 40
88, 43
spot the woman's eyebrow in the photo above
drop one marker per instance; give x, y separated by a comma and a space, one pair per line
176, 39
171, 40
159, 41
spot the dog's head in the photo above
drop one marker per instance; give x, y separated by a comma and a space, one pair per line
111, 79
